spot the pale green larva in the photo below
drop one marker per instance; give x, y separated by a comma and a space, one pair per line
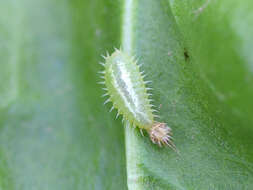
127, 91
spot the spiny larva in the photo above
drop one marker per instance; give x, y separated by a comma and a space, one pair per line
127, 91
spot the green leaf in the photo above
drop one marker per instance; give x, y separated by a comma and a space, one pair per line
201, 67
55, 132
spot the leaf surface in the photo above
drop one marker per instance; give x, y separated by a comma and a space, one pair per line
55, 132
201, 67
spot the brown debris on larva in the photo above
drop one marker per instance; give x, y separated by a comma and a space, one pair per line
160, 133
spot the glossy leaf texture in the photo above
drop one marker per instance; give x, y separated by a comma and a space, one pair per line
55, 132
198, 55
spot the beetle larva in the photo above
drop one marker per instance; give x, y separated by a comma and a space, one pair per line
127, 91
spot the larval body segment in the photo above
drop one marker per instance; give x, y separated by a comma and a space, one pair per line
127, 90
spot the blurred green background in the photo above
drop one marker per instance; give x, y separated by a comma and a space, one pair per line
55, 132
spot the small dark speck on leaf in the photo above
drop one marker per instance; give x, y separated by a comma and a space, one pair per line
186, 55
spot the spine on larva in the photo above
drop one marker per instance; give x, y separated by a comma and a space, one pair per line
127, 91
